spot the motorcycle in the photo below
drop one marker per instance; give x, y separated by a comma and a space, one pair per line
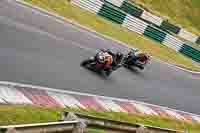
103, 69
131, 63
93, 65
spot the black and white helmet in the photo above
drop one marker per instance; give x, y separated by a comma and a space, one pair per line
101, 57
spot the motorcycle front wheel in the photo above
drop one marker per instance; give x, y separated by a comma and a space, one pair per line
88, 61
84, 63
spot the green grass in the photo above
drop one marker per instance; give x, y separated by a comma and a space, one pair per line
146, 120
93, 130
19, 114
181, 12
103, 26
26, 114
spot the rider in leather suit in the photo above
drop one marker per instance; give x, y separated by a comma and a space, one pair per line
116, 58
136, 56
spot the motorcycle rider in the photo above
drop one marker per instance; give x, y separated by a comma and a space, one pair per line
108, 57
104, 57
137, 57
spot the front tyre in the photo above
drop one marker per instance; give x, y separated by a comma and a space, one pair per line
88, 61
84, 63
141, 67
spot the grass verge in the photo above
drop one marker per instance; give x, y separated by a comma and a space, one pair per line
19, 114
183, 12
93, 130
105, 27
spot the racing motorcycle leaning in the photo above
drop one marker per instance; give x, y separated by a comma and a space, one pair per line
137, 59
103, 63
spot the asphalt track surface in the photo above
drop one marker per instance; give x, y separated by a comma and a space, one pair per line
40, 50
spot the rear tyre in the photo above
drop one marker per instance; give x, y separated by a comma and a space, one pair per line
108, 73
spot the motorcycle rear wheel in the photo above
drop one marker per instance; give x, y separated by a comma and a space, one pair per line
107, 73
